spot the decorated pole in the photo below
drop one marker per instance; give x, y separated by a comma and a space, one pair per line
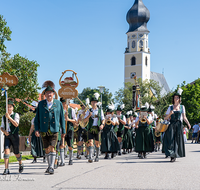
6, 80
68, 89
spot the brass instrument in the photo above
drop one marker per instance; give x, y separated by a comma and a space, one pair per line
157, 133
142, 119
82, 115
75, 127
108, 122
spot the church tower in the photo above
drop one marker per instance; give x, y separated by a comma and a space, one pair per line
137, 54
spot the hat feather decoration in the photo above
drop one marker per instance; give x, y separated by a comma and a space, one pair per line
147, 105
99, 104
122, 106
152, 107
180, 91
128, 113
48, 83
96, 94
76, 110
87, 101
111, 106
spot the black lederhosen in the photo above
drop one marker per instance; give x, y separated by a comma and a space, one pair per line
49, 139
69, 138
82, 135
94, 135
12, 139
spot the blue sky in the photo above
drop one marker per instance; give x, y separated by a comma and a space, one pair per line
89, 37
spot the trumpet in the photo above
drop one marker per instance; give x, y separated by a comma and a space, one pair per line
142, 117
108, 119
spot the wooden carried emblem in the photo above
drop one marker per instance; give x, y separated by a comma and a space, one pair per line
68, 86
8, 80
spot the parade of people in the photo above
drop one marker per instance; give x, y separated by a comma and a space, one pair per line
66, 124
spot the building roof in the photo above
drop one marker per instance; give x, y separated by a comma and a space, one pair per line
137, 17
161, 81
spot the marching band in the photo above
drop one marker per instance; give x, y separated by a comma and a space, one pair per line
107, 134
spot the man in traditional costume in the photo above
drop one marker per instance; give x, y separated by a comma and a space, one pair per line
82, 131
49, 118
96, 123
71, 119
11, 136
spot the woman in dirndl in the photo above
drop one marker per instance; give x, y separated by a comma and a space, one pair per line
173, 141
143, 139
36, 143
109, 141
127, 143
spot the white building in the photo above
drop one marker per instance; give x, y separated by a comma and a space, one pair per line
137, 54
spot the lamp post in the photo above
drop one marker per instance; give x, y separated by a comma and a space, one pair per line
101, 88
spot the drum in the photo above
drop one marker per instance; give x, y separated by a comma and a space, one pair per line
162, 126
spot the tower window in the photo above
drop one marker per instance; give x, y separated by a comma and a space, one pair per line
141, 44
146, 61
133, 44
133, 61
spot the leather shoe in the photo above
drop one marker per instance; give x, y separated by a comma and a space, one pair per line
6, 172
96, 159
62, 164
21, 168
51, 171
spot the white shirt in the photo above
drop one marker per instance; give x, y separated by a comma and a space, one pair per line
16, 119
74, 114
150, 118
95, 120
50, 104
114, 119
124, 119
183, 111
32, 121
196, 128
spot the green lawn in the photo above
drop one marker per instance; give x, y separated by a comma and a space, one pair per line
14, 159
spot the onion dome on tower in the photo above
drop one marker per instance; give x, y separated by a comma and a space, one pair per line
137, 17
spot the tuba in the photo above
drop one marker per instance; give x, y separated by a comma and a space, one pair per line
82, 115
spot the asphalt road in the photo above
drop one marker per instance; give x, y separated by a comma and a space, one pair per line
122, 172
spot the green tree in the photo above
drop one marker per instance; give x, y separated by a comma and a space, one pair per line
88, 93
5, 34
27, 87
25, 123
191, 100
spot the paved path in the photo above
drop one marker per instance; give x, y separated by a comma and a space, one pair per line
122, 172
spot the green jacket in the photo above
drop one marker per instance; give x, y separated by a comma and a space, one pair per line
52, 119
